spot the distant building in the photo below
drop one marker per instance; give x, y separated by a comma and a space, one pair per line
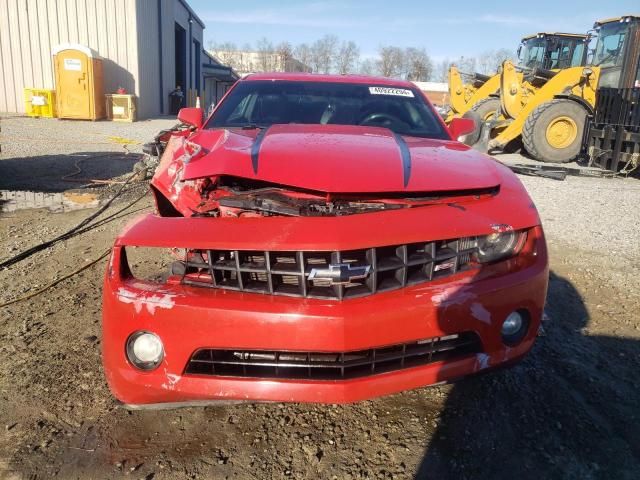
245, 62
436, 92
148, 47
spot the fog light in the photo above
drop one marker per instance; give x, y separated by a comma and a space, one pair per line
514, 327
145, 350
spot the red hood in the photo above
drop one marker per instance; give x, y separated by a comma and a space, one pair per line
341, 159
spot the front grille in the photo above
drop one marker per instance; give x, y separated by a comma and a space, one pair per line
287, 273
331, 366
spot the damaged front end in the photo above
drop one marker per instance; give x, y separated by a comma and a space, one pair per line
229, 196
265, 287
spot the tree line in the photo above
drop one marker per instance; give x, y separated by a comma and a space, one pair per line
330, 54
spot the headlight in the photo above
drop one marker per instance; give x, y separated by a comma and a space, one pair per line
145, 350
499, 245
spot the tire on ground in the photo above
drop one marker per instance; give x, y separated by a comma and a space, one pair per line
471, 138
535, 135
480, 113
486, 108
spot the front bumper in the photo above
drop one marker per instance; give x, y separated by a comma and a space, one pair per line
189, 318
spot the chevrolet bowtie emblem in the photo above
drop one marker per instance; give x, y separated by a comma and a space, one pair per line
341, 273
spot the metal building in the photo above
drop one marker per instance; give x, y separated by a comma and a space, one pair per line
148, 47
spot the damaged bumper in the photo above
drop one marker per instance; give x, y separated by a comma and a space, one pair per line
230, 345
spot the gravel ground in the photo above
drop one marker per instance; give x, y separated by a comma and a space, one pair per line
38, 153
569, 410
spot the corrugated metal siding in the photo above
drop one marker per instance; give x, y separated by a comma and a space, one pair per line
149, 56
123, 32
29, 29
182, 18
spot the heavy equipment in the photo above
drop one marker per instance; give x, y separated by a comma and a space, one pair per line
548, 51
550, 118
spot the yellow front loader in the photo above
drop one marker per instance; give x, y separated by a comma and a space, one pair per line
464, 96
548, 109
481, 94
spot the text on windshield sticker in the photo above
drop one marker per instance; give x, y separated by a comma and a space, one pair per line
398, 92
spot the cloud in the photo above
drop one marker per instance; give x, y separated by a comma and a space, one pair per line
511, 20
320, 15
489, 18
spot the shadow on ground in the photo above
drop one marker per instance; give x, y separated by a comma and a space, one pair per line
570, 410
57, 173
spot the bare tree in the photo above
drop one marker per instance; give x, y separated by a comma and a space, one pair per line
367, 67
466, 64
485, 63
323, 52
489, 61
391, 61
503, 54
347, 57
244, 59
224, 52
441, 73
265, 50
284, 52
418, 64
303, 54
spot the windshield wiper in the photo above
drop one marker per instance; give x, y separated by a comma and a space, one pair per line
252, 126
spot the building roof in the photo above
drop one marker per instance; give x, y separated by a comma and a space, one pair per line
193, 14
317, 77
432, 86
212, 67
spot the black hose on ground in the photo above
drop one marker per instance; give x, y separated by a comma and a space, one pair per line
69, 233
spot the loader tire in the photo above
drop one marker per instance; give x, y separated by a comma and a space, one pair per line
481, 112
472, 138
553, 131
486, 108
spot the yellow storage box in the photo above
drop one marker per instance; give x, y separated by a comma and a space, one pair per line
39, 102
121, 107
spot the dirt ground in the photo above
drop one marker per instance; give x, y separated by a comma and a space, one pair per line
570, 410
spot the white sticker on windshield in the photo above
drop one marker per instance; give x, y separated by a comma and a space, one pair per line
398, 92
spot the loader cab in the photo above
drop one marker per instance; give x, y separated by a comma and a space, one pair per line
552, 51
617, 52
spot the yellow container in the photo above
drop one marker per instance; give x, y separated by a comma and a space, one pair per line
39, 102
121, 107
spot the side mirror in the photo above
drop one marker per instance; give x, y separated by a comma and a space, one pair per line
461, 126
191, 116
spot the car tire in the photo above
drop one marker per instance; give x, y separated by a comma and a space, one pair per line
553, 131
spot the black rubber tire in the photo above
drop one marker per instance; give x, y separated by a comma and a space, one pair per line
471, 138
478, 114
485, 107
535, 126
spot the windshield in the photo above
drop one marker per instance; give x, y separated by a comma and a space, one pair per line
552, 52
609, 47
531, 53
257, 104
564, 52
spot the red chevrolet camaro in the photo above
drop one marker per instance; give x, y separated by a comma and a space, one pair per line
320, 239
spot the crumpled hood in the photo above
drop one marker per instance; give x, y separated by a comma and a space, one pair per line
341, 159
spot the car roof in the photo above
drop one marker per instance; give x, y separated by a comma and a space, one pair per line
317, 77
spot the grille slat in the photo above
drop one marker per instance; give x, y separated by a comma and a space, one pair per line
287, 273
331, 365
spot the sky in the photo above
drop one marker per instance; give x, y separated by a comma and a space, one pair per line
446, 29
